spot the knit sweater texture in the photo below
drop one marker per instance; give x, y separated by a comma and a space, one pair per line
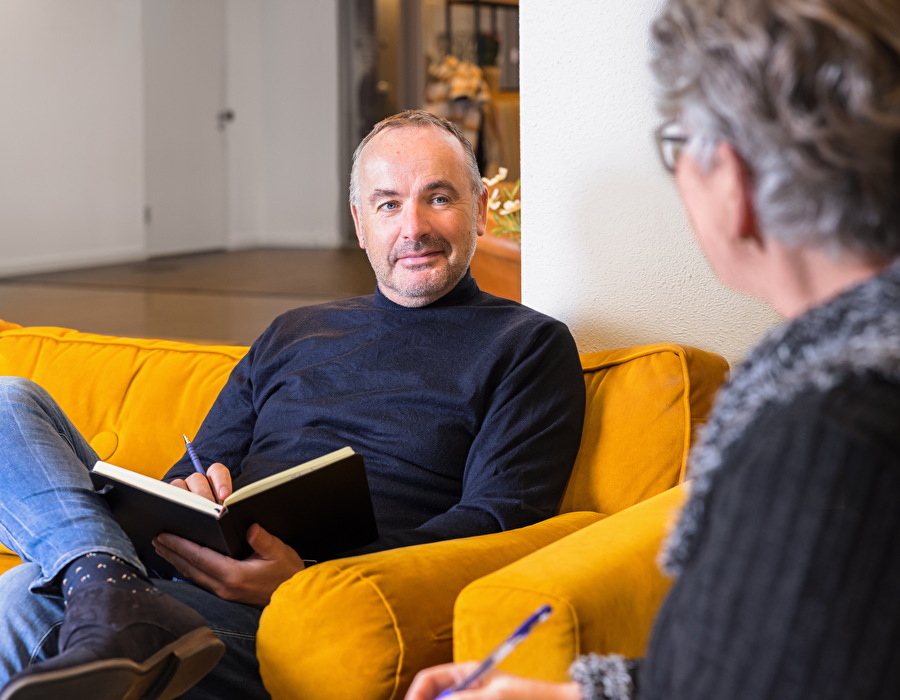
788, 549
468, 412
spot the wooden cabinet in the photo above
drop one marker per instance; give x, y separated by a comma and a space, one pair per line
497, 266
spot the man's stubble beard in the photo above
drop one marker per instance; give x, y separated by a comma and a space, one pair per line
430, 289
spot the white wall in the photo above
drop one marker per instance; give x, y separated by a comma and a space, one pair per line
72, 128
71, 131
606, 247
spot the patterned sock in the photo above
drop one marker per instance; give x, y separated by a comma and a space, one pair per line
99, 567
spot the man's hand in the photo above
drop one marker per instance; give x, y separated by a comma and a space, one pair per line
251, 581
217, 477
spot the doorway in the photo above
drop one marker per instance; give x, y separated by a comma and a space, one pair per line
185, 122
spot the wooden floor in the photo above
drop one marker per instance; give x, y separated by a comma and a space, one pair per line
219, 297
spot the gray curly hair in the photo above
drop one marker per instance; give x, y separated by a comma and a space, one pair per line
418, 118
808, 93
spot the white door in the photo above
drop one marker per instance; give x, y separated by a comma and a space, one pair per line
185, 120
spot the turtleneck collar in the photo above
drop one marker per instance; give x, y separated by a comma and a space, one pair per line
465, 290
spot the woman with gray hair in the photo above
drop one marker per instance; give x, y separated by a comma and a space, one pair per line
783, 135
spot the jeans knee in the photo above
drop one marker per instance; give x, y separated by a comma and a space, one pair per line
18, 390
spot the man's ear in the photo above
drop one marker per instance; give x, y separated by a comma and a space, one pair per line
360, 236
481, 223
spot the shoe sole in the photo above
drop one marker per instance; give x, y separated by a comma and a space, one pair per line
167, 674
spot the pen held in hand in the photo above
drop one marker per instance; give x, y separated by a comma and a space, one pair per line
502, 651
198, 466
192, 453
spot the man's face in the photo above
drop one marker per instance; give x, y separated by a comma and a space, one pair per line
417, 217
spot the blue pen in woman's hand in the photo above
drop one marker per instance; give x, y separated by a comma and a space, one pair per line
502, 651
198, 466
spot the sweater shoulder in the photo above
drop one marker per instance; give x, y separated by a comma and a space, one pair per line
819, 444
864, 408
518, 313
302, 314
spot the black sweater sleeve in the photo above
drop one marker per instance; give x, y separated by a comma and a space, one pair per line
794, 589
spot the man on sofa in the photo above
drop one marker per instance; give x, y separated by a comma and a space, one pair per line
467, 408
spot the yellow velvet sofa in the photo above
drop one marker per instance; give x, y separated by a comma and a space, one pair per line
361, 627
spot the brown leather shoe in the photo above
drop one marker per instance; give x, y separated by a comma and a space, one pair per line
117, 645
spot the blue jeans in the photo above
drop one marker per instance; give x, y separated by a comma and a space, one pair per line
50, 515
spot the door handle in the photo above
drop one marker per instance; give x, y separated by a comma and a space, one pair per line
225, 116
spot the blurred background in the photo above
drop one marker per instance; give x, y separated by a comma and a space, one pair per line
141, 138
170, 139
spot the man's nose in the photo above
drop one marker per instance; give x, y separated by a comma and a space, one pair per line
416, 223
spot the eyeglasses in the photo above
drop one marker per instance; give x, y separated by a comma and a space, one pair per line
670, 142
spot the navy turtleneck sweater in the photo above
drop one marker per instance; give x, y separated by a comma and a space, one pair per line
468, 411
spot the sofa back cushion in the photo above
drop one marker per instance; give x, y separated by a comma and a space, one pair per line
643, 407
131, 398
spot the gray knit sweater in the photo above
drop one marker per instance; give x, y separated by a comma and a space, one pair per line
788, 549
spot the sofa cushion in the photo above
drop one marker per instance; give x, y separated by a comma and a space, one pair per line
131, 398
643, 405
602, 582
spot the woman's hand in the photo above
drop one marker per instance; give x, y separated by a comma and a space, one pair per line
429, 683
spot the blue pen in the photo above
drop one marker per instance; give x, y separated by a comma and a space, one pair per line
502, 651
198, 467
192, 453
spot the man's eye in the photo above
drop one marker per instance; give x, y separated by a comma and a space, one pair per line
389, 206
441, 199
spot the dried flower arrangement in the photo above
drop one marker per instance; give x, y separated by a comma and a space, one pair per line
504, 205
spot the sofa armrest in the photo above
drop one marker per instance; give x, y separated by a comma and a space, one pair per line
602, 582
363, 626
8, 560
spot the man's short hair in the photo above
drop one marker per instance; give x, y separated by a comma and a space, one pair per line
807, 92
416, 118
